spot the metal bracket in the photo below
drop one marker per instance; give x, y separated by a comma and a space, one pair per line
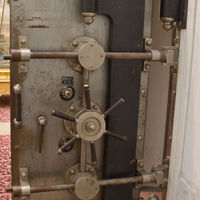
23, 43
142, 109
172, 55
25, 186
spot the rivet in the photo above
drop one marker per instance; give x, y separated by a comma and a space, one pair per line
75, 44
147, 67
22, 66
149, 42
24, 174
141, 164
72, 171
140, 138
143, 93
72, 108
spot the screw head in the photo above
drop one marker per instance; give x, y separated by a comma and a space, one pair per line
143, 92
91, 126
140, 138
72, 108
149, 42
42, 121
94, 107
141, 164
147, 67
75, 44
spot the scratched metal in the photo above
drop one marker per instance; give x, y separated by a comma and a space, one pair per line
50, 25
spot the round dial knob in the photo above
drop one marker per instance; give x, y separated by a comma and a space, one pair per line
90, 126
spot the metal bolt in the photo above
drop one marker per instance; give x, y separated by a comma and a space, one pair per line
153, 197
140, 138
72, 108
75, 44
94, 107
72, 171
170, 138
167, 26
68, 93
17, 89
23, 41
88, 20
141, 164
149, 42
143, 92
22, 66
42, 121
91, 126
23, 174
147, 67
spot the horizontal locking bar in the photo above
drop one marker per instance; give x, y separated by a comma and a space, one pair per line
17, 190
22, 55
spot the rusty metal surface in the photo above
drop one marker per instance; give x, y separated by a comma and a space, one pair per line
49, 25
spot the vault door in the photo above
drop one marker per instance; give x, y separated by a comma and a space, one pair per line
63, 91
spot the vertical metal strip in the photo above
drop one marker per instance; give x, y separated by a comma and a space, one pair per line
143, 91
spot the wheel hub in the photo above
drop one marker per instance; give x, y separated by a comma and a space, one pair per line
90, 125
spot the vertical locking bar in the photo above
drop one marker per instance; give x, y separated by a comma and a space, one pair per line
18, 91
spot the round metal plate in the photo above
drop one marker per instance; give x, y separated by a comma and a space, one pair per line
90, 126
73, 174
86, 188
74, 47
91, 55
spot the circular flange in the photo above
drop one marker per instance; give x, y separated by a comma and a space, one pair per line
91, 56
86, 188
74, 110
90, 125
81, 44
73, 174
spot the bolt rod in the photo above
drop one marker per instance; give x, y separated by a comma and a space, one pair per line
114, 135
67, 144
93, 153
113, 107
63, 116
50, 188
71, 55
86, 89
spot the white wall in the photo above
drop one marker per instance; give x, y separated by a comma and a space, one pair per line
184, 177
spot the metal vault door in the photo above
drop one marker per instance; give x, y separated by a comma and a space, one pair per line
61, 88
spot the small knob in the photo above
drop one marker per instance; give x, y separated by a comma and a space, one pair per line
67, 93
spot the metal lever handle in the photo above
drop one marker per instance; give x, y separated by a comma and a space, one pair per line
119, 137
115, 106
63, 116
42, 121
66, 145
93, 153
87, 96
18, 90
